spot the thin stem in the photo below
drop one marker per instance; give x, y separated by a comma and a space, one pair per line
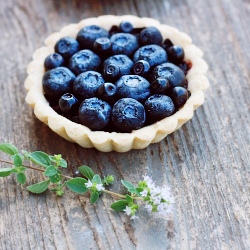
68, 177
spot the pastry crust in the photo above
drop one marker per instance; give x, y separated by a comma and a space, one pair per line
120, 142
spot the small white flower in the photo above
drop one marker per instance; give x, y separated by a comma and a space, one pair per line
146, 178
99, 187
157, 200
149, 207
155, 191
127, 210
144, 193
89, 184
133, 217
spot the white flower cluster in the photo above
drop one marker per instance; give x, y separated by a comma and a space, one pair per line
99, 187
159, 200
130, 211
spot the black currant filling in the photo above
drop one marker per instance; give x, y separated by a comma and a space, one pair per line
95, 79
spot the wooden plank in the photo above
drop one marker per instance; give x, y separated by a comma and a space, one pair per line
206, 162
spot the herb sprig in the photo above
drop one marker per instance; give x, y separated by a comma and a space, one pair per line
158, 200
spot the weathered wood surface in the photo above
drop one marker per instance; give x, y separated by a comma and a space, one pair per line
206, 162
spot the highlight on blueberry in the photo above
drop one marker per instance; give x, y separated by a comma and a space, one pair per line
69, 104
94, 113
141, 68
158, 107
175, 54
150, 35
179, 96
128, 114
126, 27
53, 61
67, 47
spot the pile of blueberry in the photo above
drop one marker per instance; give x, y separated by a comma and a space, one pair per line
118, 80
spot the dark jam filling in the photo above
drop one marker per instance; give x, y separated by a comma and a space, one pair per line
185, 66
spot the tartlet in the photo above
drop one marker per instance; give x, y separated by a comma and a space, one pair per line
108, 141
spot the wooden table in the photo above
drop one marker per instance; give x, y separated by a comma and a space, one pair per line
206, 162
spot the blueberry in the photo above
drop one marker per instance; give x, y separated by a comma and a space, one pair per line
114, 29
185, 67
69, 104
153, 54
84, 60
53, 61
107, 92
179, 96
102, 47
94, 113
67, 47
57, 82
160, 86
87, 83
133, 86
111, 72
167, 44
128, 114
175, 54
87, 36
141, 68
124, 63
158, 107
150, 35
126, 27
123, 43
171, 72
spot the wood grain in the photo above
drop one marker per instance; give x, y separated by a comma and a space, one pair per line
206, 162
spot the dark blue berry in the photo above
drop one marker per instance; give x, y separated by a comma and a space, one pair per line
133, 86
141, 68
171, 72
153, 54
175, 54
67, 47
123, 43
150, 35
128, 114
57, 82
102, 47
124, 63
87, 83
84, 60
87, 36
114, 29
53, 61
107, 92
126, 27
94, 113
160, 86
111, 72
158, 107
167, 44
185, 67
179, 96
69, 104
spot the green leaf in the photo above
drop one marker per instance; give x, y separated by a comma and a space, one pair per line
5, 172
138, 190
129, 199
21, 178
87, 172
55, 178
63, 163
18, 170
97, 179
39, 187
18, 161
77, 185
40, 158
94, 197
119, 205
8, 148
50, 171
53, 189
128, 185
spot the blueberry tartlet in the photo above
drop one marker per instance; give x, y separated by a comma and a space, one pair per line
116, 82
